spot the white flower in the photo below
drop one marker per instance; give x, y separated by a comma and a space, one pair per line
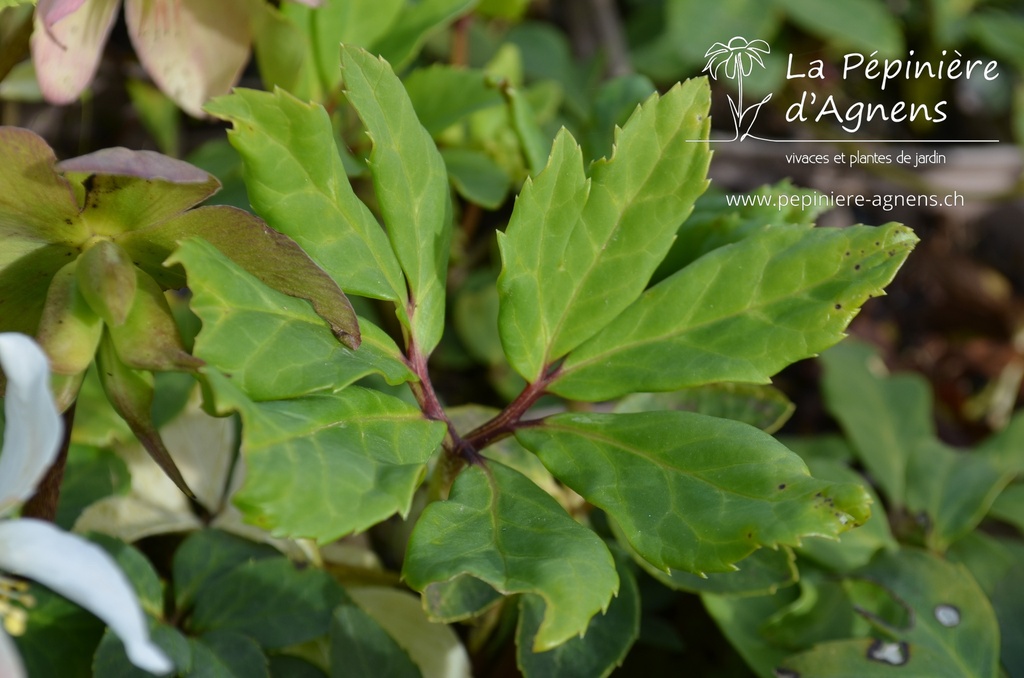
78, 570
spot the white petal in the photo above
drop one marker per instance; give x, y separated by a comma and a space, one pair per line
33, 428
84, 573
10, 660
53, 11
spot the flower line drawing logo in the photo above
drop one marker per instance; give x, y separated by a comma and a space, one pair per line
736, 59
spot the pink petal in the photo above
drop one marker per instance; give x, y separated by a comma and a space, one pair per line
53, 11
67, 53
193, 49
122, 162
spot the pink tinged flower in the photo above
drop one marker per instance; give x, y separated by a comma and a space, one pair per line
193, 49
78, 570
67, 43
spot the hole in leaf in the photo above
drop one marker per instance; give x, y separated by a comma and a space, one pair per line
894, 654
947, 615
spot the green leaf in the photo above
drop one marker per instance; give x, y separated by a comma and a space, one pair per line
286, 666
759, 405
884, 417
350, 22
355, 457
499, 527
225, 654
763, 572
952, 630
716, 223
111, 660
53, 622
740, 313
417, 22
274, 346
692, 492
1006, 448
576, 251
741, 619
91, 474
614, 102
603, 647
1009, 506
476, 177
297, 183
206, 555
158, 114
411, 184
954, 489
443, 95
435, 649
283, 54
866, 25
359, 646
269, 600
856, 547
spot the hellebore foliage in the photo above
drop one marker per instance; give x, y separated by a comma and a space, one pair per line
593, 302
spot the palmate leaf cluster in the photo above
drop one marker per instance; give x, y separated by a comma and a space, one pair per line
685, 492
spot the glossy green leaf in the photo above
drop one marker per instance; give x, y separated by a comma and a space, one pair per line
270, 600
856, 547
822, 611
499, 527
577, 251
206, 555
225, 654
1009, 506
759, 405
955, 490
692, 492
716, 222
952, 629
283, 54
608, 638
460, 598
286, 666
360, 647
274, 346
297, 183
111, 660
417, 22
355, 457
763, 572
741, 313
884, 417
53, 622
411, 185
741, 618
865, 25
443, 95
91, 474
434, 649
614, 102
